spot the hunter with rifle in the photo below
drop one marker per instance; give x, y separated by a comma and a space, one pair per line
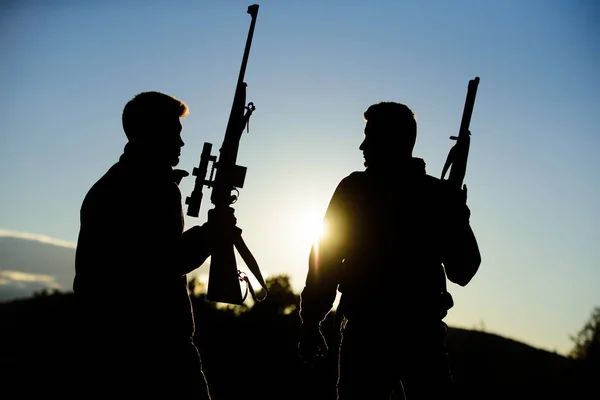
394, 235
134, 316
135, 320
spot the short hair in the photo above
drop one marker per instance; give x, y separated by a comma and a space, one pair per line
394, 116
141, 113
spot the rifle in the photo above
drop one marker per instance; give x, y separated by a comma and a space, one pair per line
224, 276
457, 157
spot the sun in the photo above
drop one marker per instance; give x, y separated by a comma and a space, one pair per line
308, 227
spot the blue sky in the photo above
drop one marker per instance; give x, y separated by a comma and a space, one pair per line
69, 67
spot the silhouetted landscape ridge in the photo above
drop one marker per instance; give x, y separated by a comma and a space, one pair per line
250, 351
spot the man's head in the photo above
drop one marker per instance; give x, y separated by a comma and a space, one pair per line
151, 120
390, 133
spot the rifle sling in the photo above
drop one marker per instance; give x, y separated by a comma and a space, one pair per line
252, 265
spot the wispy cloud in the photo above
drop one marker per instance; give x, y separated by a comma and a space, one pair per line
11, 277
37, 237
30, 263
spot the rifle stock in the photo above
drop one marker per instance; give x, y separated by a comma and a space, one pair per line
459, 153
224, 276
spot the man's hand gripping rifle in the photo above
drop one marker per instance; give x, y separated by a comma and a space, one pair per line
224, 276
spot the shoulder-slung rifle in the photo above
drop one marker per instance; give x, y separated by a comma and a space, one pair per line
457, 157
224, 277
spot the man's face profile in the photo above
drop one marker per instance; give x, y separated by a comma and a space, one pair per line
173, 143
374, 144
168, 139
384, 143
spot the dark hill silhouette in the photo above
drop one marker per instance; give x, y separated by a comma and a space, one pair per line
484, 362
250, 352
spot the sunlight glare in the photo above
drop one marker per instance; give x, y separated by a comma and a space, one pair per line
308, 228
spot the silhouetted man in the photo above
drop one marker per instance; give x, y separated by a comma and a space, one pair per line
393, 234
131, 263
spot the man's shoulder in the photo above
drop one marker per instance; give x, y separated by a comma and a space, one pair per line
433, 181
354, 179
355, 176
439, 188
111, 175
349, 185
107, 182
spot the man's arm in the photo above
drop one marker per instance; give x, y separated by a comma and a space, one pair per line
318, 295
326, 256
461, 253
324, 267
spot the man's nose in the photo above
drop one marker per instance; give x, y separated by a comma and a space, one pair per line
181, 143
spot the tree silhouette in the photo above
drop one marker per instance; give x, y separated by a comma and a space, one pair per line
281, 299
587, 352
587, 341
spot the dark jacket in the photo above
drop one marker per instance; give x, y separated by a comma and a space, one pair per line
388, 238
131, 258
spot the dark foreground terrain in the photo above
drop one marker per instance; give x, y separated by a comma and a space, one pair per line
35, 337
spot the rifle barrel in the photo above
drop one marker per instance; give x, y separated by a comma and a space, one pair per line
459, 153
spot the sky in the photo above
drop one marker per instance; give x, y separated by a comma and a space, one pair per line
69, 66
